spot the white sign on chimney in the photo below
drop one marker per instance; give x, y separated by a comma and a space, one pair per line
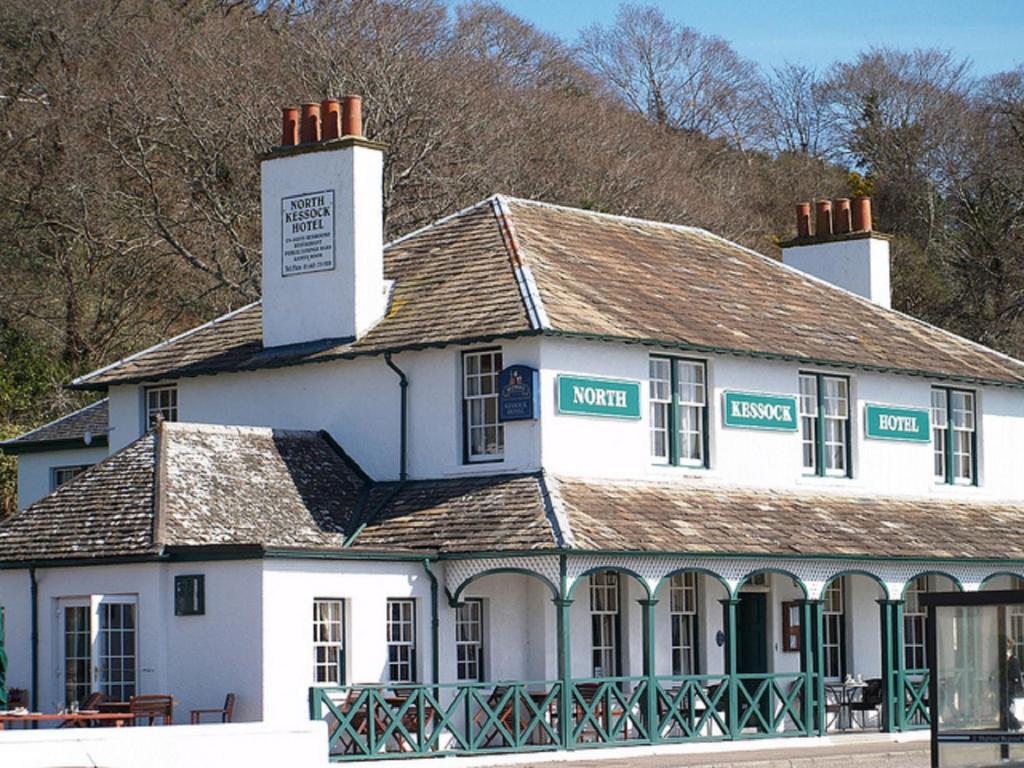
307, 233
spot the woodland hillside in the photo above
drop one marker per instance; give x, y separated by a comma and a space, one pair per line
129, 132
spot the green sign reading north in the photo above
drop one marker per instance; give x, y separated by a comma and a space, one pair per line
599, 397
750, 410
889, 422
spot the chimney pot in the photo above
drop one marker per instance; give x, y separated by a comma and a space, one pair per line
841, 222
310, 130
822, 218
289, 126
352, 116
330, 119
803, 220
862, 214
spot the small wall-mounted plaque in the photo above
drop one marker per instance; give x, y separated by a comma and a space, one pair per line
190, 595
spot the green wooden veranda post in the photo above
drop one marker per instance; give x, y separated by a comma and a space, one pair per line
651, 698
899, 659
730, 605
810, 710
889, 653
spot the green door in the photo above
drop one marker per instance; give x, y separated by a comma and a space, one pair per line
752, 649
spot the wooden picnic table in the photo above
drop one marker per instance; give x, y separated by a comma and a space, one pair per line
78, 718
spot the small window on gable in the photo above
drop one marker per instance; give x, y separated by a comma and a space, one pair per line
190, 595
61, 475
162, 404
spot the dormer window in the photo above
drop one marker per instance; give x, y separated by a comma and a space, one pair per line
161, 403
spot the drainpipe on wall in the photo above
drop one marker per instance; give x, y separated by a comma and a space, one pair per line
403, 383
435, 627
34, 639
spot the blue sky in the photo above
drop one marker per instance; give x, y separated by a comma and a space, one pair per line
989, 32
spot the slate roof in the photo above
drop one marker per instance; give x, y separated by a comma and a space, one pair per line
68, 431
195, 485
508, 267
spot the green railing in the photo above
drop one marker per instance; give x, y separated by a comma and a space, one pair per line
609, 710
914, 697
464, 719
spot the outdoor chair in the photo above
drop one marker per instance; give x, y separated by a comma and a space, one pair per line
870, 701
224, 714
151, 707
504, 717
92, 701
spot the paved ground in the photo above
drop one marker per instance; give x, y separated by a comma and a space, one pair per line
842, 751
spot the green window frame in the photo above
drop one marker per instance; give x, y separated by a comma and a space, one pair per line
826, 428
955, 436
678, 390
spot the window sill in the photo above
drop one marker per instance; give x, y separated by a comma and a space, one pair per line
480, 468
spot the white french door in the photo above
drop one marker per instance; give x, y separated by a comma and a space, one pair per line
99, 646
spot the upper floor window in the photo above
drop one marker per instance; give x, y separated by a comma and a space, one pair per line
401, 633
328, 641
954, 436
679, 413
161, 403
483, 434
825, 424
60, 475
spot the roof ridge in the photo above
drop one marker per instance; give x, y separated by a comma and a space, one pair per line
83, 379
439, 222
58, 420
525, 282
555, 509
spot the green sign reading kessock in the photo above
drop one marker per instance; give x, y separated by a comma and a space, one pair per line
756, 411
599, 397
889, 422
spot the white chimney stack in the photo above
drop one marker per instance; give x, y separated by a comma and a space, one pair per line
323, 238
843, 249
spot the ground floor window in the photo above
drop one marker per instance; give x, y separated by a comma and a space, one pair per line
834, 629
604, 623
915, 617
469, 640
328, 641
683, 614
99, 649
401, 632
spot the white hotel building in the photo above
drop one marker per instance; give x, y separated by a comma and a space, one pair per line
528, 478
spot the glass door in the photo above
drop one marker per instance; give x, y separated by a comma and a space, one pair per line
99, 647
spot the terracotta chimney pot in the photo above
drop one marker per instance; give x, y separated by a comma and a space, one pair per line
289, 126
841, 221
823, 218
310, 130
330, 119
803, 220
352, 116
862, 214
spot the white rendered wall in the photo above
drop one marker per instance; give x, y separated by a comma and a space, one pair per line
198, 659
35, 470
357, 401
618, 448
860, 265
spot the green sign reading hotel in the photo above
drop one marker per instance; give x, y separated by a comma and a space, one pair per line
599, 397
752, 410
889, 422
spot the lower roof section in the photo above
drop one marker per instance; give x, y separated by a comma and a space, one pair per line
196, 488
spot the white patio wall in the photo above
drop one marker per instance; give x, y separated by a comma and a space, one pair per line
300, 745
